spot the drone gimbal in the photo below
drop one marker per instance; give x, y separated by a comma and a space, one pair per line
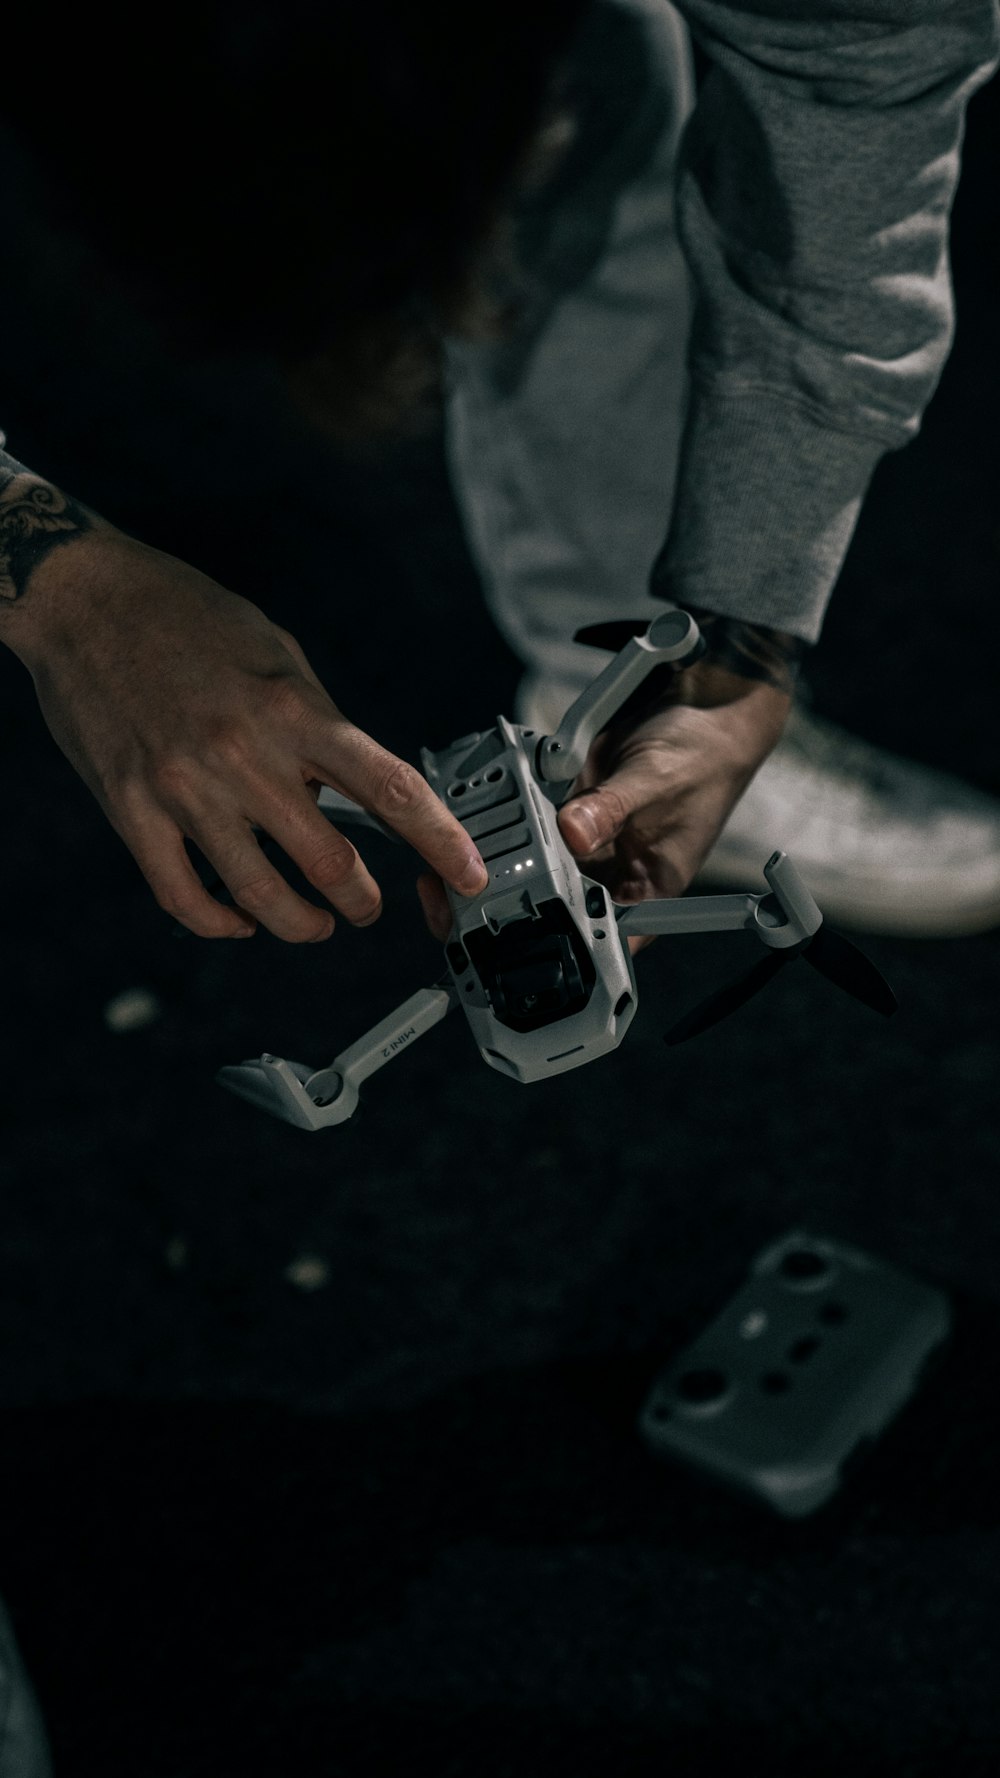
539, 961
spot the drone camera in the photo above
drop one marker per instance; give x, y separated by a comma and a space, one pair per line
545, 986
535, 971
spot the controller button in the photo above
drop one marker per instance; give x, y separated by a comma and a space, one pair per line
701, 1386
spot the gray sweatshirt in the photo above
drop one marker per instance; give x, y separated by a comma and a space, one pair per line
815, 183
815, 186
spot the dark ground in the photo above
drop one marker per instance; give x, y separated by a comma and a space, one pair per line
403, 1521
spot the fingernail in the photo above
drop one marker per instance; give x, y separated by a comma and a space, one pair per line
586, 825
320, 936
243, 932
475, 878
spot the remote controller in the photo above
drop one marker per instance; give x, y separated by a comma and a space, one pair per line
807, 1364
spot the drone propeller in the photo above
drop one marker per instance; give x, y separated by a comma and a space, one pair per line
829, 952
726, 1000
848, 968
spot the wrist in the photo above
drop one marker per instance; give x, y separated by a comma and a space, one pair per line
738, 652
46, 547
740, 662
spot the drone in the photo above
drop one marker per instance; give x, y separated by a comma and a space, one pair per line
539, 961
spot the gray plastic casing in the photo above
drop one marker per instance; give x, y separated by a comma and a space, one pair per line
787, 1443
486, 780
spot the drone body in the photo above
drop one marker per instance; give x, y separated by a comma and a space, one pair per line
541, 975
539, 961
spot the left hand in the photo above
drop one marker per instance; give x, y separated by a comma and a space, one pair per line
654, 796
658, 788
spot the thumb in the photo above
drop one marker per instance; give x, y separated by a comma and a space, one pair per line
595, 817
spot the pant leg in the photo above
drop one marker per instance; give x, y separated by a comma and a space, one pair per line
24, 1749
562, 443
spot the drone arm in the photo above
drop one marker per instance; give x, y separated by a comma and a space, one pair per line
313, 1099
793, 900
787, 916
341, 808
416, 1016
695, 913
673, 636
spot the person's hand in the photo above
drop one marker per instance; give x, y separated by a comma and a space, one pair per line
190, 715
661, 780
653, 798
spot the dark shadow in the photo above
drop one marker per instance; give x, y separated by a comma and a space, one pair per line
186, 1575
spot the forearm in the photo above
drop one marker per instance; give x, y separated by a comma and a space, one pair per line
38, 523
814, 196
742, 651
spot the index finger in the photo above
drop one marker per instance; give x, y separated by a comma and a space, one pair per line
401, 797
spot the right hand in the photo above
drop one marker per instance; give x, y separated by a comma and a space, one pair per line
190, 715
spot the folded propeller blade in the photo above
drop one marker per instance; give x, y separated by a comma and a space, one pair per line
829, 952
848, 968
719, 1006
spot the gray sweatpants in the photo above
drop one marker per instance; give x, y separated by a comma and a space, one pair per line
563, 441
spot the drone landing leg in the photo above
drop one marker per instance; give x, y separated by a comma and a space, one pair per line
312, 1099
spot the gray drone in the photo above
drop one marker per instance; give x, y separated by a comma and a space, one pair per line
539, 961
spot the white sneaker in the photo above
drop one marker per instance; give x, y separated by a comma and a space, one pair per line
885, 845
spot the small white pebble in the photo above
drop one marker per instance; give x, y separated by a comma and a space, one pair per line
132, 1009
308, 1272
176, 1253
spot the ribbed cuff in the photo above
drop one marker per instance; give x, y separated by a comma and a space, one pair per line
766, 504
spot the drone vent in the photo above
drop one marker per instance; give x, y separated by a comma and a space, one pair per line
494, 819
512, 839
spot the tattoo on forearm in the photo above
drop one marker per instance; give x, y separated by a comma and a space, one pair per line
34, 519
751, 650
